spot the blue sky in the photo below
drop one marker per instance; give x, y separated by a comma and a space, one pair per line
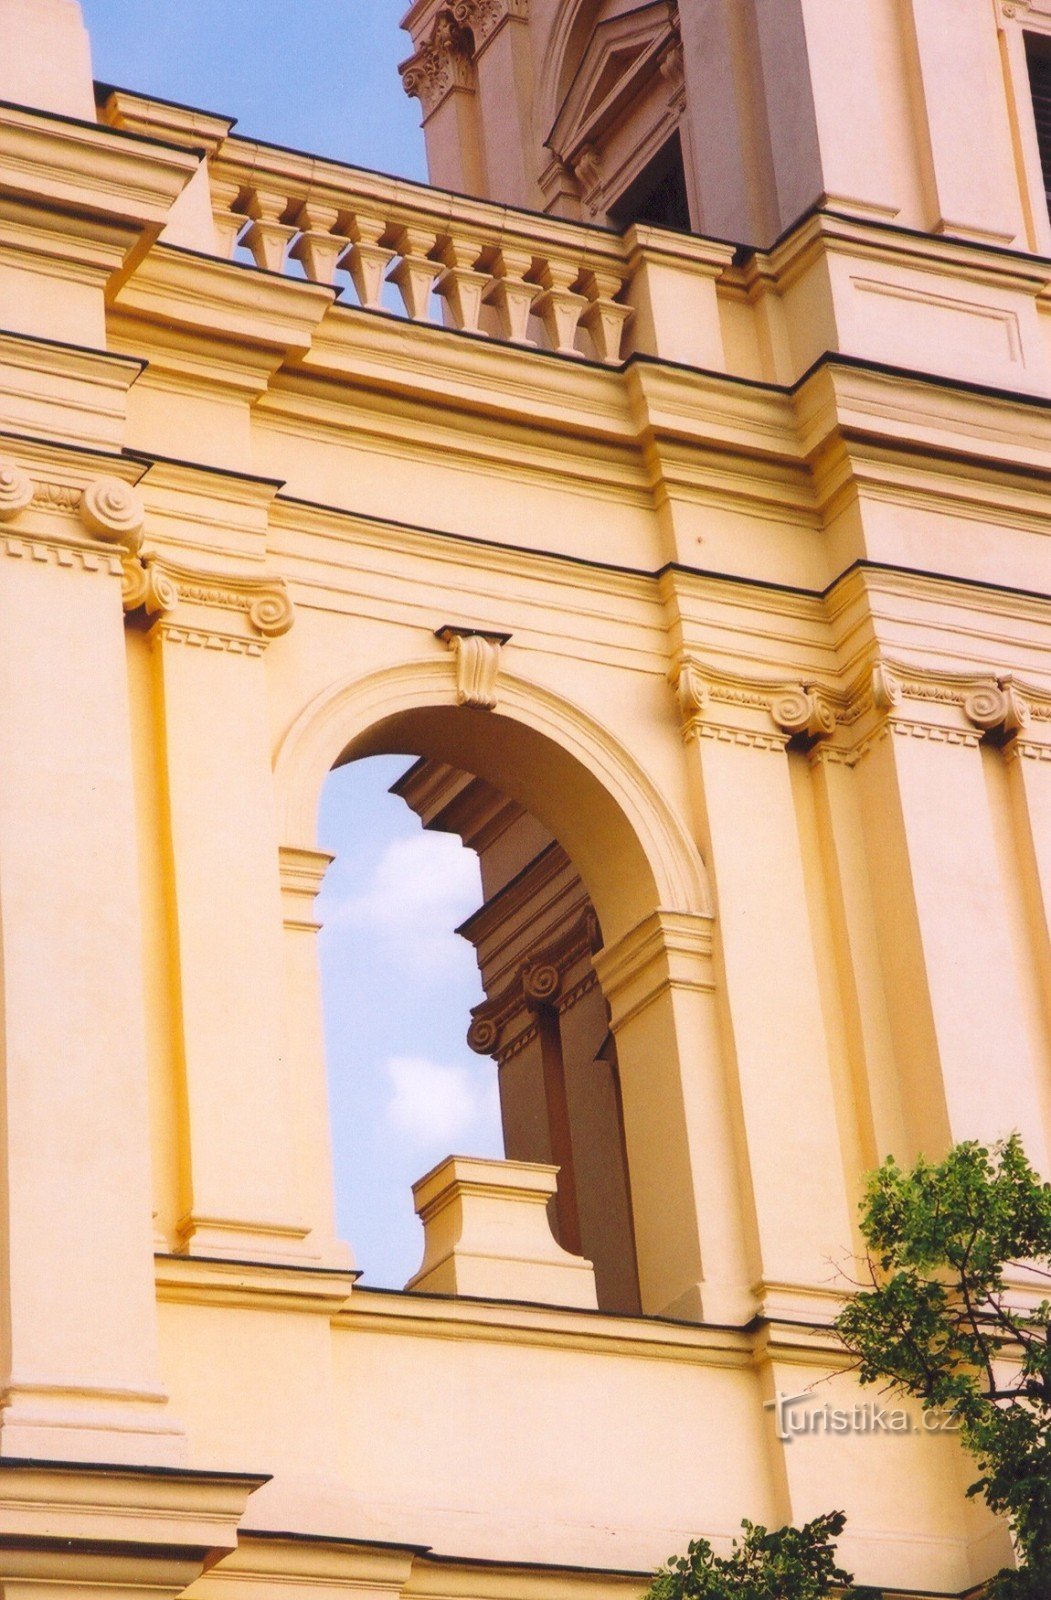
320, 75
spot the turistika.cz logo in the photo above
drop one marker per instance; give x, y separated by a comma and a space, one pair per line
799, 1414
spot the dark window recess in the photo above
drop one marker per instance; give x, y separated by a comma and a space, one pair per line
658, 194
1038, 57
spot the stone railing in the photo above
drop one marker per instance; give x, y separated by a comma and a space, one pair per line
454, 261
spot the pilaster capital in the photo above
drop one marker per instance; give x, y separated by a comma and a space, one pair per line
541, 982
476, 654
443, 63
486, 17
737, 708
221, 610
94, 525
909, 701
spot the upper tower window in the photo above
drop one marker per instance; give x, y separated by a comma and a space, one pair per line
1038, 58
617, 135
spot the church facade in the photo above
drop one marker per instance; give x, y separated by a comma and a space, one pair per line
669, 479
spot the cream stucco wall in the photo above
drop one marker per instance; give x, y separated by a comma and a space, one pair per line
745, 557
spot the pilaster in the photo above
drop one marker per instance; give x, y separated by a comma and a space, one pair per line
79, 1367
682, 1130
945, 938
737, 732
242, 1193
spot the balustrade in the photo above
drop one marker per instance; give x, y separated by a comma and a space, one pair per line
459, 263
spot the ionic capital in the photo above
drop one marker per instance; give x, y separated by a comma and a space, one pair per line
190, 606
16, 490
114, 511
737, 708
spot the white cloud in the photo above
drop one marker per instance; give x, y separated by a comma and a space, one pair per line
436, 1104
420, 888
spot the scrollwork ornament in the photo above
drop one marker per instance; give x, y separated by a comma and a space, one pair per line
16, 489
272, 613
541, 982
886, 690
148, 588
803, 714
791, 711
114, 511
986, 708
1000, 710
483, 1036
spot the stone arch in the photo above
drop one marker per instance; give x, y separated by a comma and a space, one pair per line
649, 888
561, 764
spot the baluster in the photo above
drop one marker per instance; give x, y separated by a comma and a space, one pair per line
268, 237
558, 307
318, 247
605, 318
461, 285
365, 258
511, 295
415, 273
228, 222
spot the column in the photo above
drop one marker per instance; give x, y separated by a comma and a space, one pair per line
242, 1194
79, 1347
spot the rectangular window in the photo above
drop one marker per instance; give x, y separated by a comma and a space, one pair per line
1038, 58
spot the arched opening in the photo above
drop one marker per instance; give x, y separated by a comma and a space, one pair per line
403, 1004
639, 870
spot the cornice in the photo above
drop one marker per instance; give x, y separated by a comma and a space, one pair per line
152, 118
195, 1280
90, 168
179, 288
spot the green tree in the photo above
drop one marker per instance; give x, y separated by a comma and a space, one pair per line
942, 1323
786, 1564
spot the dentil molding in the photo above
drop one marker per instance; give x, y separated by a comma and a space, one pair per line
110, 511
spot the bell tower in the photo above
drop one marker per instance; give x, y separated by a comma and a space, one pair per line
729, 118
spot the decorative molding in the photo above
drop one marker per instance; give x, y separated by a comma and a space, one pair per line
302, 874
86, 557
16, 490
57, 497
484, 17
441, 64
161, 588
477, 658
114, 511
